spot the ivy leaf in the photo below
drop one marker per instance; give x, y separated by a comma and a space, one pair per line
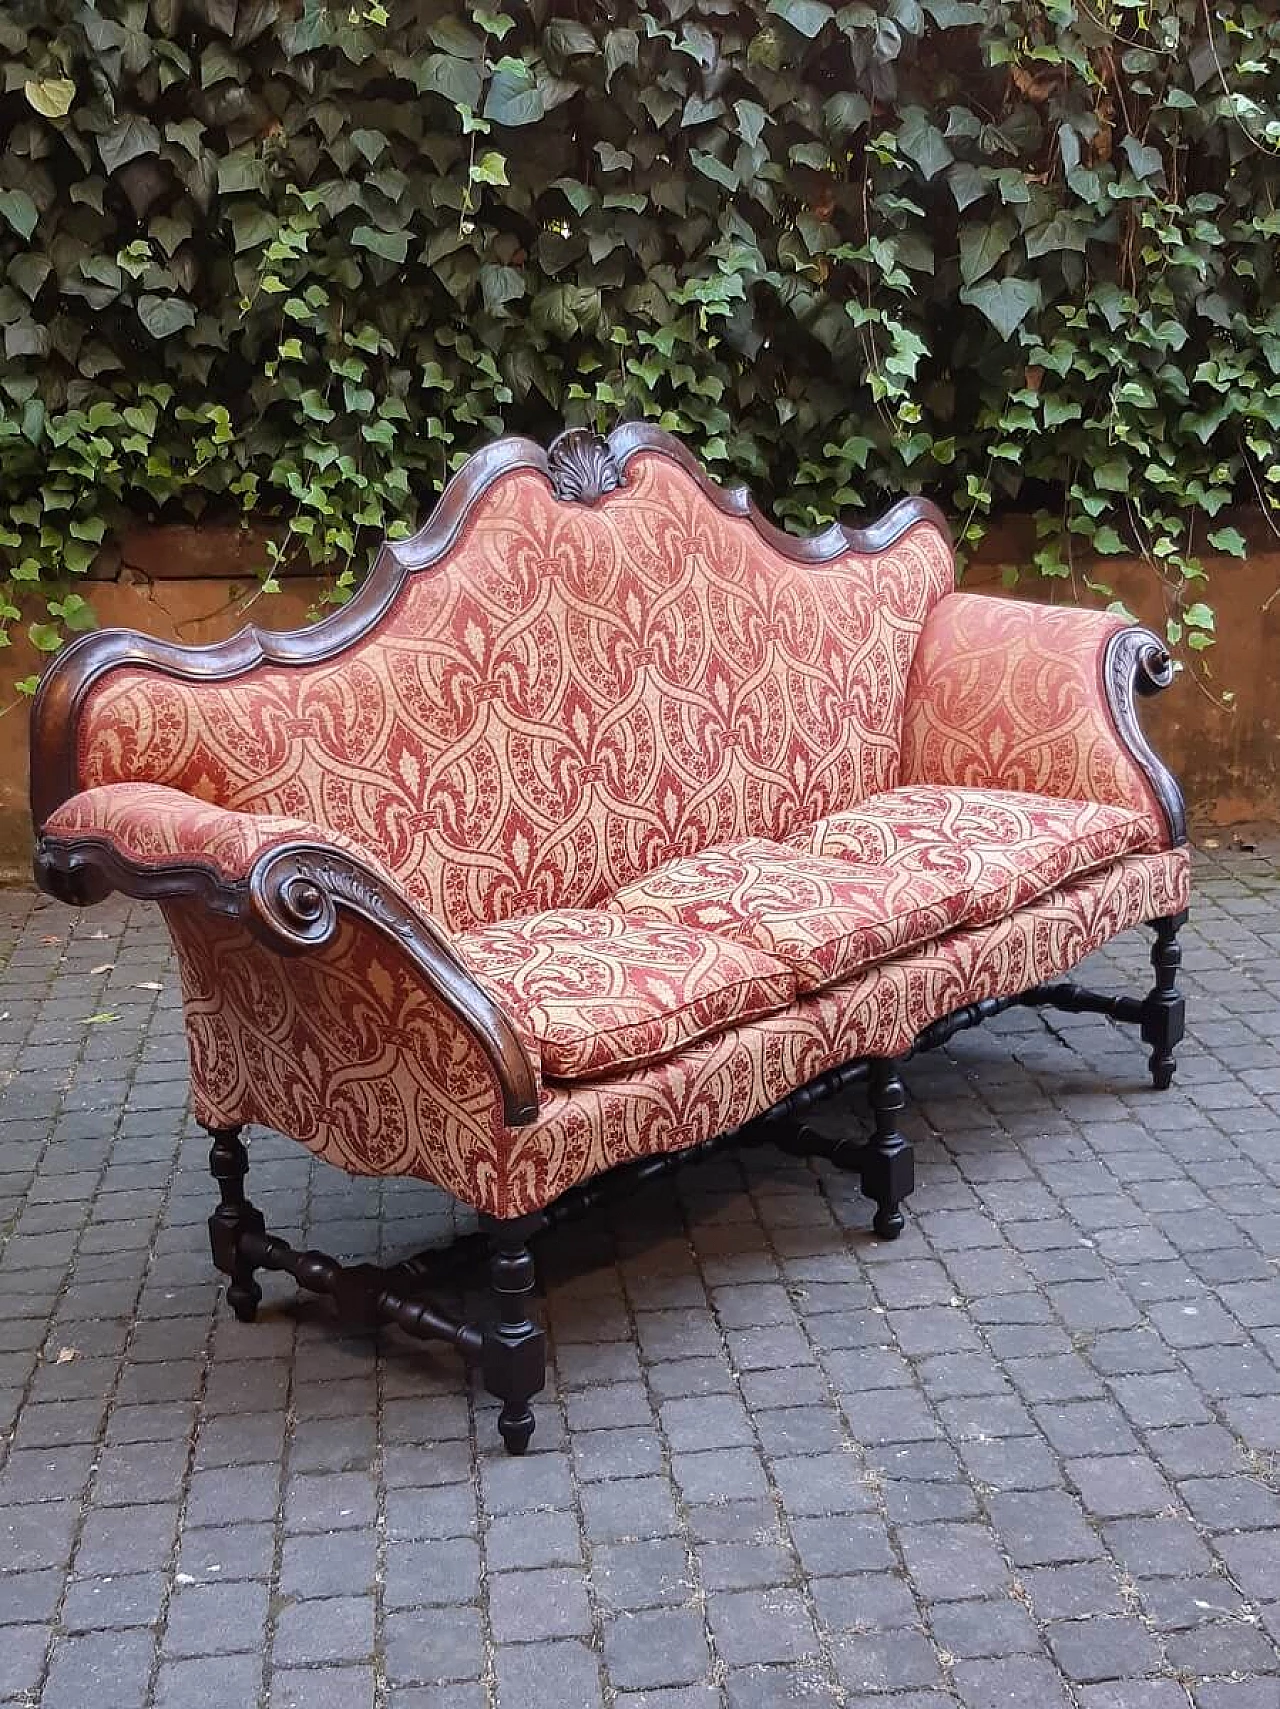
712, 168
846, 112
500, 285
921, 140
391, 245
1144, 162
1006, 303
567, 37
1200, 616
967, 184
491, 168
809, 17
513, 98
621, 47
1228, 540
127, 139
983, 247
163, 316
20, 211
51, 96
458, 80
45, 637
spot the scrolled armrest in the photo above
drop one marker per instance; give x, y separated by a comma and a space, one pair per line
288, 882
1005, 694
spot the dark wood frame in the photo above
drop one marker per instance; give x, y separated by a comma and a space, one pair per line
292, 896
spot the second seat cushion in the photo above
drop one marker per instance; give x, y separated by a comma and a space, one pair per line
600, 994
1010, 847
825, 918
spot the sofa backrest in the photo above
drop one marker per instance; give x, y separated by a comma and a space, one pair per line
555, 686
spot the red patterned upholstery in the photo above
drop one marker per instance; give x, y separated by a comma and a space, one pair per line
824, 918
601, 993
1008, 847
571, 697
155, 826
1004, 694
341, 1050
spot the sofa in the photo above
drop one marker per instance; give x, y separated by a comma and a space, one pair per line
607, 823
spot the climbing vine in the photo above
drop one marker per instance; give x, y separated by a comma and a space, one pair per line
294, 260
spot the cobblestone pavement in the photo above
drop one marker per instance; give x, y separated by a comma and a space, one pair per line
1027, 1457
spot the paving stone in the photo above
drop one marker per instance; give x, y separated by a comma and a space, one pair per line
229, 1683
1071, 1362
1116, 1486
658, 1647
1042, 1527
1115, 1648
338, 1629
752, 1626
446, 1644
549, 1676
97, 1667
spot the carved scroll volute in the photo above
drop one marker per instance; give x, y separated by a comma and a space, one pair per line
1136, 663
582, 467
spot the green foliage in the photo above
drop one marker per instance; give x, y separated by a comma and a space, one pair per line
296, 259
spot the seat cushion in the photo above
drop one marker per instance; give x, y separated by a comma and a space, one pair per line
600, 993
1009, 847
825, 918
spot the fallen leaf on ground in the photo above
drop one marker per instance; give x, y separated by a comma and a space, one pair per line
104, 968
149, 985
51, 938
66, 1355
103, 1015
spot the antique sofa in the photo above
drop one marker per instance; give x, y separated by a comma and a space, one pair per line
606, 820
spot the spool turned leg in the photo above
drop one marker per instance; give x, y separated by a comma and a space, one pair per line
1164, 1011
888, 1162
514, 1360
234, 1217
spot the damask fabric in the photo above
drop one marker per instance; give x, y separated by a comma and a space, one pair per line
1007, 846
824, 918
343, 1050
153, 826
600, 993
1004, 694
572, 696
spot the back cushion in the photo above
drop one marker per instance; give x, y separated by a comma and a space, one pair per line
570, 697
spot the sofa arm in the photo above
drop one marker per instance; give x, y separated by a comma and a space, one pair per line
1004, 694
291, 890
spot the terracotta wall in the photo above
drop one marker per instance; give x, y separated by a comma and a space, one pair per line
197, 587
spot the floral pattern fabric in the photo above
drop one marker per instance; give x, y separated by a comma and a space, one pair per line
824, 918
572, 696
1007, 846
342, 1050
600, 993
1004, 694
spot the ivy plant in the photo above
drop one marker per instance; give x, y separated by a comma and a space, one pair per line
293, 260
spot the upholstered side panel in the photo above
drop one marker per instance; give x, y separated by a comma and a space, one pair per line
574, 695
341, 1048
1005, 694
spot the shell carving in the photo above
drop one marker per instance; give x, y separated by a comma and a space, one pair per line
582, 467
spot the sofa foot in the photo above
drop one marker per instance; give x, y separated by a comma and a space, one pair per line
234, 1218
888, 1162
1164, 1011
514, 1352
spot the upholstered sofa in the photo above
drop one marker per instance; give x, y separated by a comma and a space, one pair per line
605, 821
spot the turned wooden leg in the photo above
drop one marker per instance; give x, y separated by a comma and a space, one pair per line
1164, 1012
514, 1357
888, 1163
234, 1217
